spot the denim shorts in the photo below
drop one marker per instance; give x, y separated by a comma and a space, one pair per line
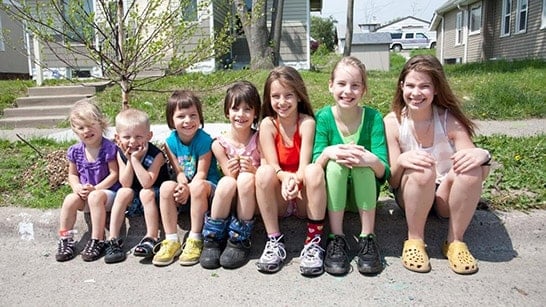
136, 208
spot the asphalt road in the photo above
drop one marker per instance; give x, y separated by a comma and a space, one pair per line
510, 249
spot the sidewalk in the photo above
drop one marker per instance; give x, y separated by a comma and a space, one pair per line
528, 127
510, 249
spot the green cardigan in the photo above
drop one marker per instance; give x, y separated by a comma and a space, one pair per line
372, 136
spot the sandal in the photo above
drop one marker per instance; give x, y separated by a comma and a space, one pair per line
414, 256
460, 259
145, 248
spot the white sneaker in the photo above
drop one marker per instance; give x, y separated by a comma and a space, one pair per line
272, 257
311, 258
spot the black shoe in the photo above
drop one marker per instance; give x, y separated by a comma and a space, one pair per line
114, 251
93, 250
336, 261
66, 250
210, 256
235, 255
369, 259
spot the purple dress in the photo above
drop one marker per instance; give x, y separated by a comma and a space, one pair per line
93, 172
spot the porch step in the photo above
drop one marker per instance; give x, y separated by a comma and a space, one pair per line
47, 106
54, 110
38, 122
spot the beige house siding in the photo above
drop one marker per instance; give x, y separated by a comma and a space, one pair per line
450, 49
13, 61
489, 43
474, 48
531, 44
294, 49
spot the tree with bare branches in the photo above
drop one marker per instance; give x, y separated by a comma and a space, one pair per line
125, 38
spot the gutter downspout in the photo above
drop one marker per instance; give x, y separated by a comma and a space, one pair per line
442, 39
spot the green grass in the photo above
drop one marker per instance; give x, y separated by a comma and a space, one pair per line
497, 90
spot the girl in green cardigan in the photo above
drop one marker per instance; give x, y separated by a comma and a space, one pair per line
350, 146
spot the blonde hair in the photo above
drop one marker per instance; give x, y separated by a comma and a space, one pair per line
131, 118
352, 61
86, 112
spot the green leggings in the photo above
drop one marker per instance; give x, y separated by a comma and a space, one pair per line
361, 195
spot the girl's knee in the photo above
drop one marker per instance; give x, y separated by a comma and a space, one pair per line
421, 178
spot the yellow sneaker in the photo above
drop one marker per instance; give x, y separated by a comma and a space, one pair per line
192, 252
166, 254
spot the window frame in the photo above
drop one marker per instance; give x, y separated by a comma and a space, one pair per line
543, 22
192, 9
521, 25
459, 28
92, 9
475, 26
506, 18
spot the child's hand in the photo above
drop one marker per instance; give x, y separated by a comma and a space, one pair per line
290, 187
416, 160
234, 167
350, 155
140, 152
181, 193
246, 165
467, 159
83, 190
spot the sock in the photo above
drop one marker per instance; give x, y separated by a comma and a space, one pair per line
66, 234
363, 235
314, 228
195, 235
171, 236
275, 236
333, 235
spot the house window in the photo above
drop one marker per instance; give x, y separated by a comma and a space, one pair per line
506, 15
475, 19
521, 16
543, 24
459, 29
77, 14
189, 10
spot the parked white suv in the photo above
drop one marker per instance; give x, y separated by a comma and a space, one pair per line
411, 40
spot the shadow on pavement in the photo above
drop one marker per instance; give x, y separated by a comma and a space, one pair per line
487, 238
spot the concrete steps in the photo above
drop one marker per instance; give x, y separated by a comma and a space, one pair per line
46, 106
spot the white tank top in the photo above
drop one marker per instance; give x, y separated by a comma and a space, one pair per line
442, 149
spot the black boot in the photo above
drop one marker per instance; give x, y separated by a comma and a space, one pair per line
214, 241
237, 250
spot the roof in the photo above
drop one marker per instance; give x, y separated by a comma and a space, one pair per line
446, 7
401, 19
372, 38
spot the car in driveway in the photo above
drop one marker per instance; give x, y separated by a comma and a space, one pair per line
411, 40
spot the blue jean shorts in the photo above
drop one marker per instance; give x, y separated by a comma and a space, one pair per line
136, 208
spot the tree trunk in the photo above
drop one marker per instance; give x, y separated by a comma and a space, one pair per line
255, 27
276, 29
125, 89
349, 32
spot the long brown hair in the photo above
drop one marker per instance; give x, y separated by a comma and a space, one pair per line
444, 97
288, 77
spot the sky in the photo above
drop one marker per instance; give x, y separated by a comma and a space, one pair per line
377, 11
